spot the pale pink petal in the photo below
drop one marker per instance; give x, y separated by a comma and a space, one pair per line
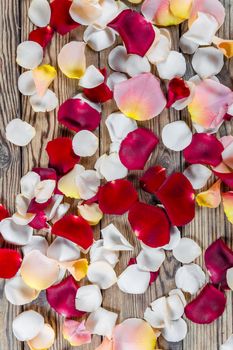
72, 60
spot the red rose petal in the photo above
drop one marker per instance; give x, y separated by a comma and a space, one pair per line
177, 196
61, 155
218, 259
74, 228
204, 149
150, 224
10, 262
61, 297
4, 213
117, 197
153, 178
42, 36
136, 33
101, 93
46, 173
137, 147
177, 90
78, 115
225, 174
207, 307
35, 208
61, 20
39, 221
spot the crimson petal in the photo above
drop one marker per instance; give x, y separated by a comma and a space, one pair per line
150, 224
218, 259
4, 213
10, 262
226, 177
153, 178
61, 297
35, 208
177, 196
207, 307
61, 155
42, 36
46, 173
204, 149
117, 197
74, 228
101, 93
136, 33
137, 147
78, 115
61, 20
39, 222
177, 90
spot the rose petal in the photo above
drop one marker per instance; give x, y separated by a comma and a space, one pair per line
224, 173
47, 103
119, 126
133, 280
210, 198
117, 59
150, 259
226, 46
177, 135
26, 84
176, 331
37, 208
102, 274
3, 212
36, 243
158, 316
88, 298
190, 278
175, 237
136, 65
114, 240
41, 36
17, 292
186, 251
140, 91
76, 333
91, 213
61, 297
160, 13
177, 90
61, 21
212, 7
187, 46
88, 183
15, 234
44, 190
138, 41
99, 39
63, 250
85, 143
43, 77
27, 325
29, 54
79, 269
23, 219
173, 66
229, 278
99, 253
198, 175
72, 60
228, 344
85, 12
44, 339
207, 61
101, 322
207, 307
20, 133
227, 199
39, 12
177, 189
92, 78
153, 179
67, 183
61, 211
100, 93
175, 307
111, 168
160, 49
10, 262
75, 229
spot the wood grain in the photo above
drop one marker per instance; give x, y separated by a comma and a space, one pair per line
14, 162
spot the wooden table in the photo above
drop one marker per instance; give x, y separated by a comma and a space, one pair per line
15, 162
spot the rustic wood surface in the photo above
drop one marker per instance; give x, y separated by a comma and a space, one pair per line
14, 162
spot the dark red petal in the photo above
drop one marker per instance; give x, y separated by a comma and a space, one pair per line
92, 200
35, 208
39, 221
204, 149
153, 178
99, 94
136, 33
177, 196
177, 90
4, 213
10, 262
74, 228
42, 36
61, 155
137, 147
61, 297
150, 224
117, 197
228, 117
60, 17
78, 115
218, 259
207, 307
46, 173
153, 276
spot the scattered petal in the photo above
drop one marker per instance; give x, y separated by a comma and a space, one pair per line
99, 39
136, 65
110, 167
44, 339
41, 36
177, 135
210, 198
158, 316
207, 61
43, 77
226, 46
39, 12
29, 54
186, 251
88, 184
178, 89
20, 133
190, 278
61, 21
36, 243
198, 175
76, 333
17, 292
133, 280
63, 250
101, 322
153, 179
10, 262
102, 274
114, 240
27, 325
26, 84
227, 199
228, 344
67, 183
72, 60
119, 126
99, 253
88, 298
176, 331
85, 12
47, 103
85, 143
15, 234
91, 213
150, 259
173, 66
175, 237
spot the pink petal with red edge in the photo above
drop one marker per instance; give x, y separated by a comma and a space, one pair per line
137, 34
218, 259
207, 307
77, 115
61, 155
177, 196
74, 228
3, 212
150, 224
39, 222
10, 262
76, 333
137, 147
61, 297
117, 197
100, 93
177, 90
35, 208
224, 174
46, 173
42, 36
153, 178
204, 149
61, 20
140, 97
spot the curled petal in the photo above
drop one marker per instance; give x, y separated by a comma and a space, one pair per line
175, 331
10, 262
88, 183
85, 143
210, 198
190, 278
204, 149
72, 60
63, 250
27, 325
29, 54
39, 12
85, 12
137, 147
133, 280
102, 274
79, 269
28, 183
26, 84
227, 199
207, 307
92, 78
150, 259
44, 339
61, 21
61, 297
160, 49
41, 36
101, 322
77, 114
110, 167
158, 316
198, 175
99, 253
18, 292
76, 333
187, 46
177, 90
20, 133
67, 183
75, 229
140, 97
36, 243
160, 13
119, 126
44, 190
14, 233
212, 7
153, 178
46, 103
177, 135
150, 224
101, 92
38, 208
173, 66
207, 61
117, 58
117, 197
177, 196
43, 77
91, 213
224, 173
186, 251
226, 46
99, 39
114, 240
88, 298
138, 41
61, 155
